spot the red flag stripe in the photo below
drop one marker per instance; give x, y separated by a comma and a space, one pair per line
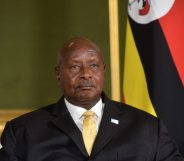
173, 27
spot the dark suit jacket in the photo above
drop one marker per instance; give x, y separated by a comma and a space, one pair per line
50, 134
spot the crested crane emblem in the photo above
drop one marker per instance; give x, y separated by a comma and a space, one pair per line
145, 11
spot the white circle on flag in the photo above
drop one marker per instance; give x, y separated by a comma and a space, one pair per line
145, 11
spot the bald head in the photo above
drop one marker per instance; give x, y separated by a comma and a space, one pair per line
77, 43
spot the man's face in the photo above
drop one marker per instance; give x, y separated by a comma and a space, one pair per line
82, 74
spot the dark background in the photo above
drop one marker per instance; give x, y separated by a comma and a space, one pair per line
31, 32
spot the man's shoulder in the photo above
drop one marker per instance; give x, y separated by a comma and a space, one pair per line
127, 111
132, 112
34, 116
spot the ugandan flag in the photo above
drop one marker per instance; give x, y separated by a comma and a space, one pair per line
153, 77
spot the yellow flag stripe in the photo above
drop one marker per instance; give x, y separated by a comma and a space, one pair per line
135, 89
114, 49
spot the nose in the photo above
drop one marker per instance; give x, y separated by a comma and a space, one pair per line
85, 73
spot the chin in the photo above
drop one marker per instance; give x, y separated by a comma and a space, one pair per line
88, 96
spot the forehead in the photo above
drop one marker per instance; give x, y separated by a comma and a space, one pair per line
78, 50
82, 54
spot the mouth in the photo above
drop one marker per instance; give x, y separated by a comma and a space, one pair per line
84, 87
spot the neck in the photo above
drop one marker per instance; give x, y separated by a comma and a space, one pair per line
85, 104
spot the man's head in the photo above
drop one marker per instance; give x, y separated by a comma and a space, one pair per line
81, 72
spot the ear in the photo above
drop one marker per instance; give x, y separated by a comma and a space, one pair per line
104, 66
57, 72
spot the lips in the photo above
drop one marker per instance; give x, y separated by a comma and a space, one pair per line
86, 85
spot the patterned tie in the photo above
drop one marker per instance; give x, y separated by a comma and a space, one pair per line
89, 130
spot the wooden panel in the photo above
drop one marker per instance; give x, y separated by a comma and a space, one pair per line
30, 36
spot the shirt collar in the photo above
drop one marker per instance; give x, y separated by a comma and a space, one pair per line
77, 112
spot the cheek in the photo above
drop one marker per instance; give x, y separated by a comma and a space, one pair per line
100, 79
68, 81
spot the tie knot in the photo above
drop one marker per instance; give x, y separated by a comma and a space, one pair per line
88, 113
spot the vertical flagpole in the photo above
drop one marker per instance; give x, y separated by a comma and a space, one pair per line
114, 49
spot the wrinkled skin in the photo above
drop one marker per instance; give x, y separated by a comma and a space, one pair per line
81, 72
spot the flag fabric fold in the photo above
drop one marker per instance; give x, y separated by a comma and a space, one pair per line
153, 77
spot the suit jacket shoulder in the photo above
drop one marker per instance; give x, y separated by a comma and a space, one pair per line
125, 133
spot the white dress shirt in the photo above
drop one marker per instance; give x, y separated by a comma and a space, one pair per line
77, 113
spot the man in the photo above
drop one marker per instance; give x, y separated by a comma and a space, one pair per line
58, 132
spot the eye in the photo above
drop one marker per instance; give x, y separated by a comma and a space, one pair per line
75, 68
94, 66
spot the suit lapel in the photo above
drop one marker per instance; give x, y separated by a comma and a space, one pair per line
64, 122
107, 128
